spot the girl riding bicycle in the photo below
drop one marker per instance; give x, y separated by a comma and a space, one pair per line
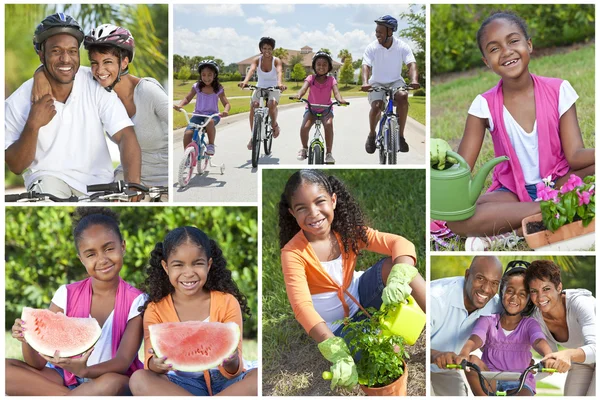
209, 92
532, 120
507, 338
320, 86
321, 233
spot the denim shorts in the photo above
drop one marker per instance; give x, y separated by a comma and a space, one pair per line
505, 386
531, 189
370, 288
197, 386
61, 372
200, 120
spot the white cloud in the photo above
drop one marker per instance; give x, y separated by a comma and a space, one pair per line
223, 43
229, 10
260, 21
278, 8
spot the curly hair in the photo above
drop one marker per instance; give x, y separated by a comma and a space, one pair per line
84, 217
216, 86
157, 284
348, 221
543, 270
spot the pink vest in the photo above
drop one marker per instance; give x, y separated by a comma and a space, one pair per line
552, 158
79, 302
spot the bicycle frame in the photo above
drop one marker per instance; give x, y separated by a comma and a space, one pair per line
262, 132
383, 141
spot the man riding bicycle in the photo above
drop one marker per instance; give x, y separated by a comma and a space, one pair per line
58, 142
383, 60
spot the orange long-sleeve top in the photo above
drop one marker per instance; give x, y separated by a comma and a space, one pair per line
224, 307
304, 275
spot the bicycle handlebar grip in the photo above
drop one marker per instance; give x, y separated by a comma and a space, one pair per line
11, 198
550, 370
327, 375
113, 187
453, 366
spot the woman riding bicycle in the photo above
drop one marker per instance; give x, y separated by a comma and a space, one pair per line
320, 86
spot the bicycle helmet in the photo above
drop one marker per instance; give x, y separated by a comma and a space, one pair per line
322, 54
111, 35
56, 24
209, 63
515, 267
266, 40
388, 21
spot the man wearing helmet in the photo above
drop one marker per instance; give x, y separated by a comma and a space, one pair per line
269, 70
58, 142
382, 61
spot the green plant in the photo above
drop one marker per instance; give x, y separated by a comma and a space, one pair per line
575, 201
380, 358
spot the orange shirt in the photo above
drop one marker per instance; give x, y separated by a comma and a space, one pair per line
304, 275
223, 308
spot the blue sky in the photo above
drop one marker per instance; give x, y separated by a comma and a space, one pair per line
231, 31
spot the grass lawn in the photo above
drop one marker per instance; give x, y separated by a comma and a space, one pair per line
292, 364
242, 104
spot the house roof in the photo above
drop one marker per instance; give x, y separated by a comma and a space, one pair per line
306, 53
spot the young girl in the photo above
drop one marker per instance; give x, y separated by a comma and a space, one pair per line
532, 119
209, 92
188, 280
507, 338
321, 86
104, 369
321, 233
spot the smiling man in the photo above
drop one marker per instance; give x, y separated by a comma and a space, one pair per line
456, 303
58, 143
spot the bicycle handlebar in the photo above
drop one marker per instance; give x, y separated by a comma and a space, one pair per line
405, 88
327, 107
270, 88
203, 124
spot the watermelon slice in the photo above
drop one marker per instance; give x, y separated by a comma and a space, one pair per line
194, 346
47, 332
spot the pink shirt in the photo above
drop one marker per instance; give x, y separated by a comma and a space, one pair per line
320, 93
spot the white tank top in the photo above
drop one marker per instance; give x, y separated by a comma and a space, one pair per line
266, 79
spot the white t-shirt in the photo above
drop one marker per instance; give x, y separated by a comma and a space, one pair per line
328, 304
524, 143
103, 348
386, 64
72, 147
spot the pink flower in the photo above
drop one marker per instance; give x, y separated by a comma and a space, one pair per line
557, 216
396, 348
584, 198
573, 182
545, 193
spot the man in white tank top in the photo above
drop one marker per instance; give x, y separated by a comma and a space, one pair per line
269, 70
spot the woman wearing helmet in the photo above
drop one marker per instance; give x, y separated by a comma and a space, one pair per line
269, 70
320, 86
111, 49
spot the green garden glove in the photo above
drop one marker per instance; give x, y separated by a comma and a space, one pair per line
343, 369
397, 288
437, 152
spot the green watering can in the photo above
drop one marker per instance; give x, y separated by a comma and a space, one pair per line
406, 320
454, 193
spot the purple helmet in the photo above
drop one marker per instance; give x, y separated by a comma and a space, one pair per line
111, 35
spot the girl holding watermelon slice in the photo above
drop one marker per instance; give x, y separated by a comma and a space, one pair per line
103, 369
188, 280
321, 233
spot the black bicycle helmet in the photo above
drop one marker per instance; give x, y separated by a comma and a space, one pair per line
209, 63
266, 40
388, 21
56, 24
514, 267
322, 54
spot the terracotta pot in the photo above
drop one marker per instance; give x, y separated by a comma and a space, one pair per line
396, 388
567, 234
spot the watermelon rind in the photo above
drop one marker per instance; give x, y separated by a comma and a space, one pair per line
165, 328
30, 314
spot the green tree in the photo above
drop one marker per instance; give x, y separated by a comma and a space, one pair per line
298, 73
184, 73
416, 32
281, 53
357, 64
347, 72
324, 50
178, 62
297, 59
344, 54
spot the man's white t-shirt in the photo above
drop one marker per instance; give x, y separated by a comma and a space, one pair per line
103, 347
72, 146
386, 64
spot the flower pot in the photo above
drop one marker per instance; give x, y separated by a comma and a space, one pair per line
396, 388
573, 236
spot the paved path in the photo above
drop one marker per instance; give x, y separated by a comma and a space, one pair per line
239, 182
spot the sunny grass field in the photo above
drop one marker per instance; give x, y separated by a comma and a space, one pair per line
240, 99
393, 201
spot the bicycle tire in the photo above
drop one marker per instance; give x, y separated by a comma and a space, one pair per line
186, 166
383, 144
256, 130
318, 155
203, 160
394, 137
268, 142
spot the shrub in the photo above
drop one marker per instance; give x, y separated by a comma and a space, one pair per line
419, 92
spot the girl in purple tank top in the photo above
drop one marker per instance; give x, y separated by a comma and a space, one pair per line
506, 339
209, 92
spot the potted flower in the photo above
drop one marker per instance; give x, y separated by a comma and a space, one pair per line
379, 357
567, 220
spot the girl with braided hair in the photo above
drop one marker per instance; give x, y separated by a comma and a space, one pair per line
188, 280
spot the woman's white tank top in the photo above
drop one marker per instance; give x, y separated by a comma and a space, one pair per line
266, 79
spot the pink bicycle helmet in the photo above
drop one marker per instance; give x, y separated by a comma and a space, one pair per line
111, 35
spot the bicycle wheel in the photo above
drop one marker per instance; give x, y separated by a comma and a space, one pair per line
394, 144
383, 144
186, 166
256, 139
203, 160
319, 156
268, 142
